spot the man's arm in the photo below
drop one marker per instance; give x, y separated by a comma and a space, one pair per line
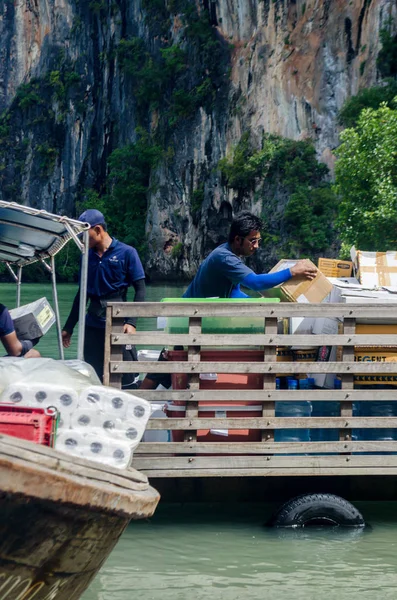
13, 346
140, 295
71, 321
268, 280
136, 278
11, 343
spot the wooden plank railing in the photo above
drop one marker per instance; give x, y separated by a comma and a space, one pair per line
259, 453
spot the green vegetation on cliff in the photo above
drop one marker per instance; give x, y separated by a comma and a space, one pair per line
298, 203
124, 201
32, 129
366, 167
366, 180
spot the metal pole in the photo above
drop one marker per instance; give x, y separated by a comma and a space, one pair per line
83, 295
19, 286
56, 307
9, 267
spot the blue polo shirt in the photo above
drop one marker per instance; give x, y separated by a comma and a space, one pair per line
6, 324
218, 274
113, 272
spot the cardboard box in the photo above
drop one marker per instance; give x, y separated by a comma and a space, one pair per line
299, 289
375, 269
333, 267
388, 328
33, 320
349, 291
376, 354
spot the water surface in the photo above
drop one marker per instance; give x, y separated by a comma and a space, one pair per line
224, 553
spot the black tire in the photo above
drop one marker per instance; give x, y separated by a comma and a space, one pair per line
317, 509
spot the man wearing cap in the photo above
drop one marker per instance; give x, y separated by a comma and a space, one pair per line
112, 268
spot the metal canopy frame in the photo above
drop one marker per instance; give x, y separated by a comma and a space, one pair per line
29, 235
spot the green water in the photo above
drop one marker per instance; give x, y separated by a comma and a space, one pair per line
48, 345
223, 552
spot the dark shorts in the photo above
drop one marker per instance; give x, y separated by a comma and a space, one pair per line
163, 379
94, 354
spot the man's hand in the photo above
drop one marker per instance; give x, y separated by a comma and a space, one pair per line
66, 338
303, 268
128, 328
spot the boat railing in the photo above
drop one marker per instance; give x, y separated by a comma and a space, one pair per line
361, 441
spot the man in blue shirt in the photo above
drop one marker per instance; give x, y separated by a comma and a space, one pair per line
11, 343
112, 268
223, 271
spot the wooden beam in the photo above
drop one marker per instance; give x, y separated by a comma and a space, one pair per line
267, 309
274, 423
370, 368
247, 448
230, 340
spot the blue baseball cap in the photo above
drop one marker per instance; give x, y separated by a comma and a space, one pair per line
93, 217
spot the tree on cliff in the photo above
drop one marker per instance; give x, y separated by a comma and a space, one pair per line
366, 181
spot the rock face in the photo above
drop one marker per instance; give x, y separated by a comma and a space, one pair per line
288, 67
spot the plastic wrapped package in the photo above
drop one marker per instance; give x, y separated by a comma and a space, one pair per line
40, 370
120, 415
93, 446
41, 395
96, 422
84, 369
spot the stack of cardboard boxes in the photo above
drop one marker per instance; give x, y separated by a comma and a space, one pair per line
375, 281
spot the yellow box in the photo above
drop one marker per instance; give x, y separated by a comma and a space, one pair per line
300, 289
376, 328
376, 354
333, 267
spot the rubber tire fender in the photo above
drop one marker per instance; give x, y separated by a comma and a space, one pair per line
326, 509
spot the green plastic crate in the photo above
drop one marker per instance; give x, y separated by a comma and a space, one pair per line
218, 324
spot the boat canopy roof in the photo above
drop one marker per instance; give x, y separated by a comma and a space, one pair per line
28, 234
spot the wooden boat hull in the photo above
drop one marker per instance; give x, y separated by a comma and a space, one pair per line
60, 520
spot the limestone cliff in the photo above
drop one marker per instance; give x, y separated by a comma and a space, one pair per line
280, 66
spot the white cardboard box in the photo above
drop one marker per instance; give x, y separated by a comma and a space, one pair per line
375, 269
33, 320
349, 291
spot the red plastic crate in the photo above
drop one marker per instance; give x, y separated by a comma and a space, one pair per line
34, 424
225, 381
